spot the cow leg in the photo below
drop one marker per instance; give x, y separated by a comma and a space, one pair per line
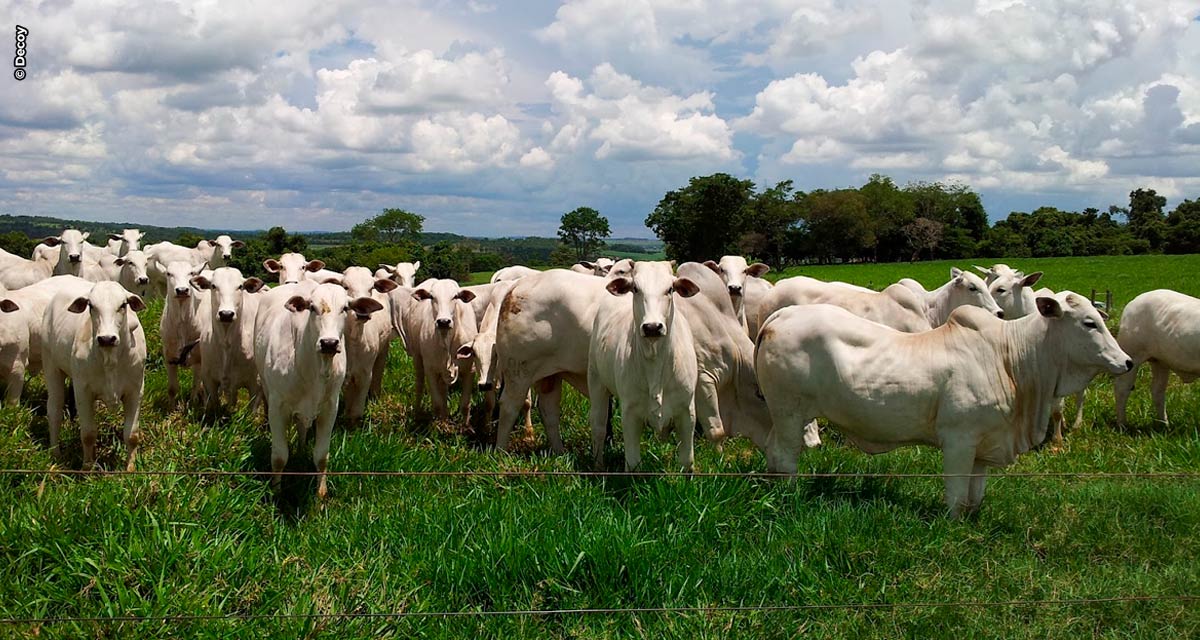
489, 404
1079, 399
550, 403
1056, 422
511, 395
86, 406
978, 486
325, 421
14, 383
708, 410
598, 419
812, 435
685, 421
1159, 374
356, 399
467, 388
527, 407
419, 379
56, 396
1122, 386
131, 403
785, 442
377, 371
172, 385
278, 418
958, 463
633, 421
439, 396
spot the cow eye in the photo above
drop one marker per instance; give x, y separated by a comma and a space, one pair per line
1001, 290
1089, 323
974, 288
123, 306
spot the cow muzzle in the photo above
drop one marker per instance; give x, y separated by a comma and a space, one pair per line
653, 329
445, 324
486, 386
735, 290
225, 315
143, 280
1000, 314
106, 341
182, 292
75, 257
329, 346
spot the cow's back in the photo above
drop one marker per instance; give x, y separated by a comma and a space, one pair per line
1163, 325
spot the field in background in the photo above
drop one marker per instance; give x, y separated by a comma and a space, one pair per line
153, 546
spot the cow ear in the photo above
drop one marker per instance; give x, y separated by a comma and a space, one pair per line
78, 305
1049, 307
51, 241
716, 268
8, 306
271, 265
202, 283
136, 303
984, 270
384, 285
1031, 279
587, 265
296, 303
757, 270
619, 286
86, 234
955, 272
314, 265
685, 288
417, 265
238, 244
333, 280
421, 294
466, 352
252, 285
466, 295
1103, 315
365, 305
141, 234
387, 267
113, 236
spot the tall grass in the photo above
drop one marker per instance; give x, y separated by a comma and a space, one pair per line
158, 546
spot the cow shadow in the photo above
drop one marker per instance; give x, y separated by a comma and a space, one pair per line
297, 496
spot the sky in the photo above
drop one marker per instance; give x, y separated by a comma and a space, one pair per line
493, 118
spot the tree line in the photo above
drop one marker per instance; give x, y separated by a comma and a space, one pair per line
883, 222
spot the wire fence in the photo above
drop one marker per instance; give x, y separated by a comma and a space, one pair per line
536, 473
542, 613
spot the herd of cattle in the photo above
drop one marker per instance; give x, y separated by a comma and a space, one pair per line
978, 367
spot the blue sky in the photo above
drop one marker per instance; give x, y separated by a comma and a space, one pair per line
494, 118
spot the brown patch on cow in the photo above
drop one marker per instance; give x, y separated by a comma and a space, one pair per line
511, 305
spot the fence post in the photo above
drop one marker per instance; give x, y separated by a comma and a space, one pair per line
1092, 299
1108, 300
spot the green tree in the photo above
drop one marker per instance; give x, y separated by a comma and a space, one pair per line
582, 232
1183, 228
447, 260
702, 221
188, 239
836, 225
1146, 217
767, 222
390, 226
891, 211
17, 243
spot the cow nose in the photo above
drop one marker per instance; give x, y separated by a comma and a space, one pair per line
735, 289
74, 257
225, 315
1128, 364
444, 323
106, 341
485, 386
143, 280
181, 292
329, 345
1000, 314
227, 255
652, 329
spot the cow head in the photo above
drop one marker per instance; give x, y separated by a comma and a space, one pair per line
995, 271
404, 273
292, 267
601, 267
223, 245
654, 287
109, 305
179, 278
443, 295
967, 288
327, 306
734, 271
226, 285
481, 351
359, 283
133, 268
129, 239
1078, 328
69, 243
1012, 291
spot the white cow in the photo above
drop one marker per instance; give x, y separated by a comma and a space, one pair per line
301, 361
292, 267
435, 320
161, 254
368, 336
218, 251
132, 272
404, 273
978, 388
122, 243
97, 341
180, 326
641, 351
964, 288
897, 306
744, 282
1161, 327
70, 244
226, 340
600, 267
514, 272
19, 273
484, 358
22, 323
1012, 290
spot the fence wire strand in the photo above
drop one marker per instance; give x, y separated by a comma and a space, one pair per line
535, 473
542, 613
